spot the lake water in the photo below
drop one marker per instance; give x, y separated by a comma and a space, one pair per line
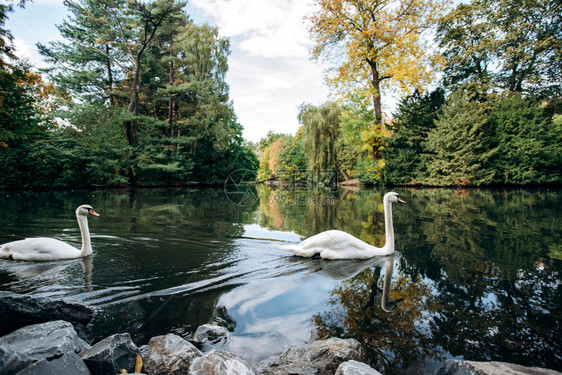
476, 275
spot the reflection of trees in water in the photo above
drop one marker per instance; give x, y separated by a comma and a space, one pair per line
514, 320
391, 338
482, 248
479, 249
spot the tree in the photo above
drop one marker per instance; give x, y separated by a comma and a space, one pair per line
89, 63
406, 155
150, 17
355, 143
381, 41
321, 127
23, 106
527, 142
5, 37
108, 34
466, 38
460, 143
514, 45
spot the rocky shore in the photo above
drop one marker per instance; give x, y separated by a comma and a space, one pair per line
45, 336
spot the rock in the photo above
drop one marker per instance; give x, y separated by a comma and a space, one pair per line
356, 368
111, 355
209, 333
223, 319
12, 362
169, 355
220, 362
456, 367
44, 341
143, 350
319, 357
68, 364
19, 310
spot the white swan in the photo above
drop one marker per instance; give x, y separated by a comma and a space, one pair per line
335, 244
45, 249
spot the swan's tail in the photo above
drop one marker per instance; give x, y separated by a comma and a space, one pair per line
5, 252
299, 251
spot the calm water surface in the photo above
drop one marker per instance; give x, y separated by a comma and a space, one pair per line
476, 274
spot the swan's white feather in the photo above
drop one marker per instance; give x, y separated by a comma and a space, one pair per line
335, 244
38, 249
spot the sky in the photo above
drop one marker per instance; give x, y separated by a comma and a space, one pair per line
270, 71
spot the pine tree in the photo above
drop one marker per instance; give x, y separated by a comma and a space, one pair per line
406, 156
460, 144
527, 142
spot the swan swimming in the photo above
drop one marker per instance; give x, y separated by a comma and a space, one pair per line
45, 249
336, 244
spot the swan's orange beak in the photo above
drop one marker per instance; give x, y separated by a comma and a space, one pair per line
401, 201
92, 212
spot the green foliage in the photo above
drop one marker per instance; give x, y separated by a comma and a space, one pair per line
356, 143
293, 156
44, 164
459, 144
369, 171
511, 45
406, 155
5, 36
510, 140
527, 143
320, 130
20, 120
151, 104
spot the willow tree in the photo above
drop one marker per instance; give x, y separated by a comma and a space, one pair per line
373, 43
321, 129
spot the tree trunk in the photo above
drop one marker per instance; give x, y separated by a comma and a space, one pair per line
344, 174
132, 126
171, 98
376, 82
109, 78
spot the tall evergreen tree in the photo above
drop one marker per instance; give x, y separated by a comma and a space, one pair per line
460, 144
406, 155
527, 143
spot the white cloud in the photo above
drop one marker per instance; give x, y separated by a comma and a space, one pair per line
270, 72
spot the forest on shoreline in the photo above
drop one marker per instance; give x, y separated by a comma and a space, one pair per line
136, 96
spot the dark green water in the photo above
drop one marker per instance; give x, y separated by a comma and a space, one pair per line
477, 273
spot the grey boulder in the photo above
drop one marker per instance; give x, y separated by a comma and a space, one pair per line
44, 340
220, 362
170, 355
318, 357
36, 342
356, 368
210, 333
20, 310
68, 364
456, 367
111, 355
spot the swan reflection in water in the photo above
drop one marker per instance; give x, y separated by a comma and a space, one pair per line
346, 269
34, 272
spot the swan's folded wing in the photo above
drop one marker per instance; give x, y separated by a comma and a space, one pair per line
38, 249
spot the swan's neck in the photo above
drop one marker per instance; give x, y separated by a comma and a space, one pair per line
389, 228
85, 232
